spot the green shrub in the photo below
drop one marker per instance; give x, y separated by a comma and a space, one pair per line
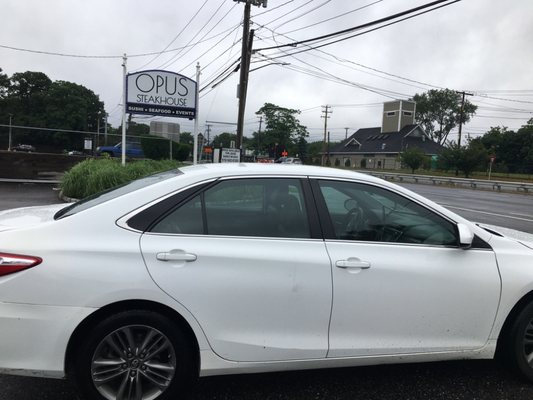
95, 175
159, 149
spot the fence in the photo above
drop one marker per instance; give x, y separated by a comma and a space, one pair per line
499, 186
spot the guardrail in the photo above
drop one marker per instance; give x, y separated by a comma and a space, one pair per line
452, 181
48, 181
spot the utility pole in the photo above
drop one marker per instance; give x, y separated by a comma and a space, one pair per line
259, 135
462, 113
208, 130
246, 54
98, 129
346, 137
9, 144
105, 128
326, 111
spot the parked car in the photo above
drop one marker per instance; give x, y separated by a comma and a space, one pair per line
240, 268
133, 150
28, 148
291, 160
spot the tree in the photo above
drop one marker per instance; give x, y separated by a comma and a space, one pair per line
224, 139
34, 100
513, 150
465, 159
283, 131
439, 111
413, 157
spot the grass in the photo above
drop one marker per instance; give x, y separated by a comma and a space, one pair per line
95, 175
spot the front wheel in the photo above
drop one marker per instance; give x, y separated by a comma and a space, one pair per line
521, 343
137, 355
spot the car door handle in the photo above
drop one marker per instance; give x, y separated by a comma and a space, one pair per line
176, 256
352, 263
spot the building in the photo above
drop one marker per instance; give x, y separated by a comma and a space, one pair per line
168, 130
380, 147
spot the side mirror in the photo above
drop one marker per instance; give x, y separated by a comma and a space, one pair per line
466, 236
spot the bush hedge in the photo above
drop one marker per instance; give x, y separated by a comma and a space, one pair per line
95, 175
158, 149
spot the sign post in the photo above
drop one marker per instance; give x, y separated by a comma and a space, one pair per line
124, 102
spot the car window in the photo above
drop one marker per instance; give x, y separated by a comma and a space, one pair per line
242, 207
369, 213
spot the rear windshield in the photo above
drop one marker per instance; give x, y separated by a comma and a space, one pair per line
115, 192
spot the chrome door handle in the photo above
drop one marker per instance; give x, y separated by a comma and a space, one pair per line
176, 256
352, 263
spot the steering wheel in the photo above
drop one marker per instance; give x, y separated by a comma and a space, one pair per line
354, 218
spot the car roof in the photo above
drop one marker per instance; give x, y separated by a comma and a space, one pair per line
247, 169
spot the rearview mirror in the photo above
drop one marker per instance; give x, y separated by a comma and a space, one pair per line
466, 236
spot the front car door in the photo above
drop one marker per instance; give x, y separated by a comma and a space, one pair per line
401, 282
247, 259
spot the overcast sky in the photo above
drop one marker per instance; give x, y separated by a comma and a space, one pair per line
480, 46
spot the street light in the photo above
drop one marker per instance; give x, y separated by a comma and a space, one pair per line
9, 143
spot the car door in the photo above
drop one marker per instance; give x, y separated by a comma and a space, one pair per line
401, 282
247, 259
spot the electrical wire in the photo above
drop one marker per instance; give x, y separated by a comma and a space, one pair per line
368, 25
335, 17
175, 37
304, 14
172, 60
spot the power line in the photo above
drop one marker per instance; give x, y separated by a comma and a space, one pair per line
177, 36
367, 25
174, 58
304, 14
335, 17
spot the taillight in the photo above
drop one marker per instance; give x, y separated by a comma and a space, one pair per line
10, 263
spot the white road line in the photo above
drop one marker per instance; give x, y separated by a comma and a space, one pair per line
522, 215
489, 213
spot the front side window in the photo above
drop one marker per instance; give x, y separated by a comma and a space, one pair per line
242, 207
368, 213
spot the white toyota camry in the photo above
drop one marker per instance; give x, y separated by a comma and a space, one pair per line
240, 268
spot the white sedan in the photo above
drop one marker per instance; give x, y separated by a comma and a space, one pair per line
242, 268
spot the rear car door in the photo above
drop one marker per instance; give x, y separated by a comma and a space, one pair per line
246, 258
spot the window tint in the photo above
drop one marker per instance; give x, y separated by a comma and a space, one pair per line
185, 219
368, 213
243, 207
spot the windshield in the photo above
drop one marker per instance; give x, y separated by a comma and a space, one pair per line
115, 192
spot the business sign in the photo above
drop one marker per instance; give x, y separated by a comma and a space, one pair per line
163, 93
230, 155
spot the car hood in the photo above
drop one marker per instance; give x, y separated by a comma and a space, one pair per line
522, 237
28, 216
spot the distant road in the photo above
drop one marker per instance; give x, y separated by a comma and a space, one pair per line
510, 210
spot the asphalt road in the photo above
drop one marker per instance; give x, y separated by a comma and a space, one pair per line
510, 210
437, 381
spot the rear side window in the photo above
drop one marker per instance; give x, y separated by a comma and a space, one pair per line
242, 207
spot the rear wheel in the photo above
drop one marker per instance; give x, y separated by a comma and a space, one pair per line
521, 343
137, 355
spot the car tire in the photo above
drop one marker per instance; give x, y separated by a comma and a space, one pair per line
136, 354
520, 349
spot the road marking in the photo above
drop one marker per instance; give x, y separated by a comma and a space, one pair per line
489, 213
522, 215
